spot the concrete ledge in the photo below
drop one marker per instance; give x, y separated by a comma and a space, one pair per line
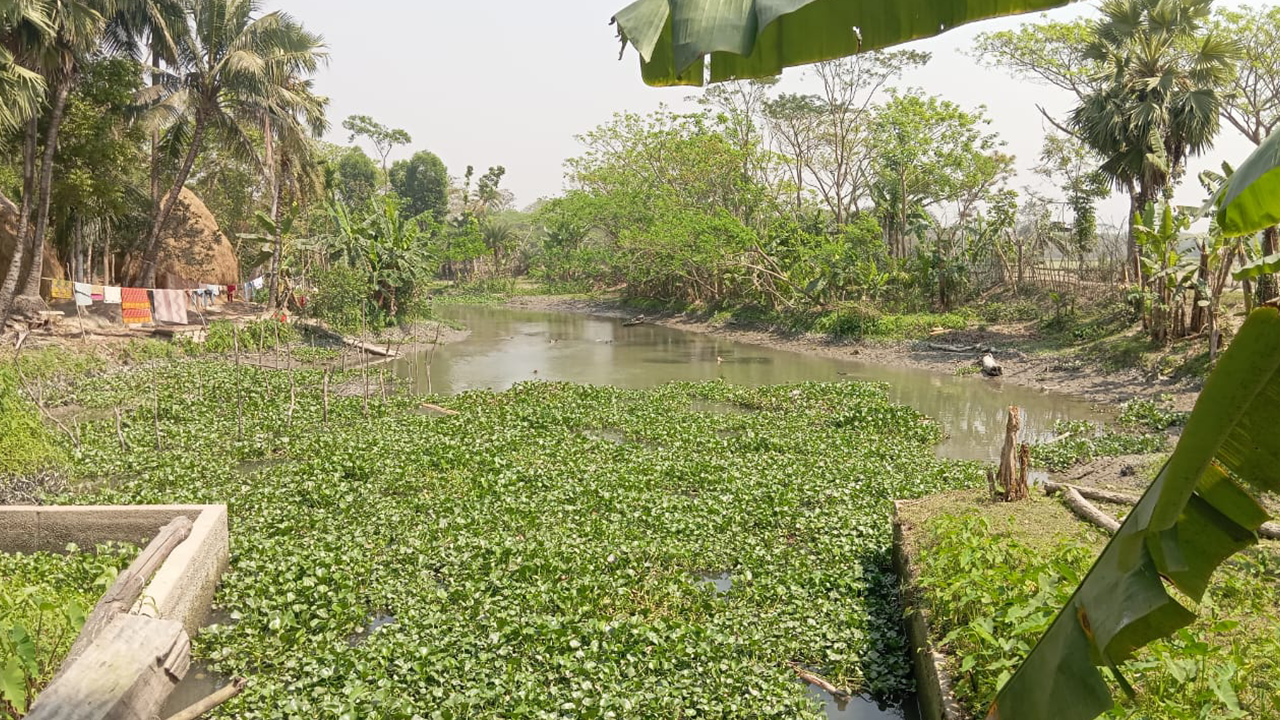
933, 685
182, 589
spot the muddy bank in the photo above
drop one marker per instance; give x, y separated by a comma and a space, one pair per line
1048, 372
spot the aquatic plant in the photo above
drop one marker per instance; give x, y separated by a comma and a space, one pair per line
535, 564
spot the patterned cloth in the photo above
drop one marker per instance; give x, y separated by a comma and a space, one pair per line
111, 295
171, 306
134, 306
60, 289
83, 293
95, 292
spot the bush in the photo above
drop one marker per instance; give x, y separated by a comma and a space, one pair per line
340, 292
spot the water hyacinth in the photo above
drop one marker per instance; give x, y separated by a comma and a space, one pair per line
542, 551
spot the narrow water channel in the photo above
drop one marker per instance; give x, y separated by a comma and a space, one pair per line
510, 345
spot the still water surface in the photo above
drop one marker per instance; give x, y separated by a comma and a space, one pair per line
508, 345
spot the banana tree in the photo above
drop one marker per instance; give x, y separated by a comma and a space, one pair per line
758, 38
1196, 514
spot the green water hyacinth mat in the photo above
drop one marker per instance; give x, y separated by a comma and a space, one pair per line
545, 552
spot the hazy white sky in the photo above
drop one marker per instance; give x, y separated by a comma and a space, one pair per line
510, 82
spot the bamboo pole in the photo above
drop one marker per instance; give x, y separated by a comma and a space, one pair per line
235, 340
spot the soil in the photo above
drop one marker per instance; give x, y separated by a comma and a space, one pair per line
1011, 344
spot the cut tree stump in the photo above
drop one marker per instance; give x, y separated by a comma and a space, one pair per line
1012, 476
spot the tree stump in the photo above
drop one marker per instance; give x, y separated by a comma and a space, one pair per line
1012, 476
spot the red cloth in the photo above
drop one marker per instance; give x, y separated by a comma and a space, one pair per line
134, 306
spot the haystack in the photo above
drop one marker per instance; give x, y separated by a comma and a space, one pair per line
192, 249
8, 241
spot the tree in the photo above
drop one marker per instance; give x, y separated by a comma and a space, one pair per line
1052, 53
74, 28
928, 151
1160, 105
231, 63
384, 139
356, 177
1251, 100
1067, 162
422, 182
23, 24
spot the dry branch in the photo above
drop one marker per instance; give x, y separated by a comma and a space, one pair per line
195, 710
820, 681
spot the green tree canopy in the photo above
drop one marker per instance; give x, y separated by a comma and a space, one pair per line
422, 182
356, 178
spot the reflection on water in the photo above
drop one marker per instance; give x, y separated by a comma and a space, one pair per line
721, 581
863, 708
507, 346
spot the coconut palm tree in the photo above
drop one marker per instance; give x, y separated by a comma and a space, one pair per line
231, 62
74, 28
1159, 102
22, 22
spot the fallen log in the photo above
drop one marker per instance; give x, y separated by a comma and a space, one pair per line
1270, 531
124, 592
637, 320
1087, 511
821, 682
437, 408
960, 349
369, 348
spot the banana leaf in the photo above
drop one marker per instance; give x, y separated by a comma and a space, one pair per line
1247, 203
758, 38
1194, 516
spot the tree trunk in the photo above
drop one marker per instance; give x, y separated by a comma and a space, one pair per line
10, 286
1267, 285
273, 182
56, 112
1010, 478
146, 276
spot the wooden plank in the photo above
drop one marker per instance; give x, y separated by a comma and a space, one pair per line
126, 674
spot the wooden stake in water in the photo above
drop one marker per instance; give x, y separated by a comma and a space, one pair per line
235, 340
120, 431
365, 355
155, 405
326, 396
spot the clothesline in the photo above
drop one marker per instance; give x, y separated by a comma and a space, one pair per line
164, 305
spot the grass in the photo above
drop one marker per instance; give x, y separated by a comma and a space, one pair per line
992, 576
542, 551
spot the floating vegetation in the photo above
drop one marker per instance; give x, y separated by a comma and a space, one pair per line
532, 570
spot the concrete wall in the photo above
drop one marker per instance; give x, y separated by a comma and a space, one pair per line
182, 589
932, 683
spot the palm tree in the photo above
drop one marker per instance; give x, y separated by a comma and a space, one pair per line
74, 28
231, 63
21, 23
1158, 104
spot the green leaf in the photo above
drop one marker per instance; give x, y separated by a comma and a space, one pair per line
758, 38
13, 685
1247, 202
1268, 265
1193, 517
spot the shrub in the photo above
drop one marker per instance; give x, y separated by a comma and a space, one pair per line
340, 292
26, 445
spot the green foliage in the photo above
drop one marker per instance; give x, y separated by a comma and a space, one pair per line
356, 178
25, 444
760, 38
1150, 415
1080, 441
1195, 516
422, 182
44, 598
990, 595
340, 293
513, 536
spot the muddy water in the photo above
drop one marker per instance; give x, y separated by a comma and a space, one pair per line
507, 346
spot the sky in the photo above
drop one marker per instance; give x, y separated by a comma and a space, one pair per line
511, 82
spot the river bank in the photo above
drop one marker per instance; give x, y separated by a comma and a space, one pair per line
1013, 344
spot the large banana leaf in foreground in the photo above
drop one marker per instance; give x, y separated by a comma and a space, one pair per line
1193, 517
758, 38
1247, 203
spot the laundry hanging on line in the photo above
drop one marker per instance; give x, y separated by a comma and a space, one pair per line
135, 306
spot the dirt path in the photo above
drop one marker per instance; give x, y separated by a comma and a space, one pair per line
1050, 373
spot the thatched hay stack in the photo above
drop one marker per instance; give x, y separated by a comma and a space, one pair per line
8, 241
192, 249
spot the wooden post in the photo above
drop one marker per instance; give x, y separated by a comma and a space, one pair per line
155, 406
235, 340
326, 396
365, 356
120, 431
382, 383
